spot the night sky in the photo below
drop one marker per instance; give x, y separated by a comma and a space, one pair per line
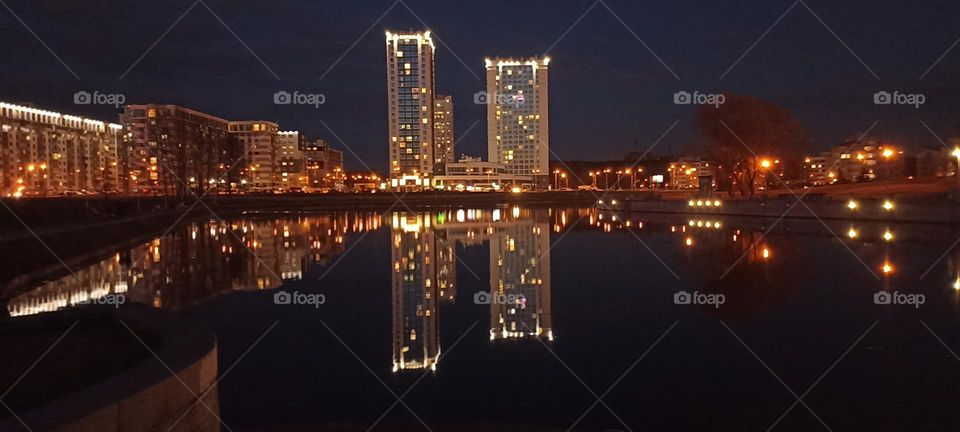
607, 90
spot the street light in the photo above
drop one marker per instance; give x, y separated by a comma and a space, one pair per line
618, 178
556, 180
606, 178
593, 177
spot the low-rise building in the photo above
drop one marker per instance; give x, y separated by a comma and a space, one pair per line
815, 170
472, 173
686, 173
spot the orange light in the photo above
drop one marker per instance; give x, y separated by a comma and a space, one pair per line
887, 268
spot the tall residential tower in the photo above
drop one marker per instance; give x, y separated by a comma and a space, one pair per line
443, 133
410, 98
518, 127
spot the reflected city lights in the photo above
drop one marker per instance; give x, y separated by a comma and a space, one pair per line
888, 235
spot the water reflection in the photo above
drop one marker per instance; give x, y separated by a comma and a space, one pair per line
755, 268
424, 264
190, 266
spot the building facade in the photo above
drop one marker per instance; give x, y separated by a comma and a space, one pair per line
48, 153
686, 173
259, 144
168, 149
473, 174
290, 145
324, 166
410, 101
443, 137
518, 120
866, 159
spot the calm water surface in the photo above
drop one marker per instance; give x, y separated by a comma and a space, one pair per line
530, 316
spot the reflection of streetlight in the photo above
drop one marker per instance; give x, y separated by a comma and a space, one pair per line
887, 268
956, 172
888, 235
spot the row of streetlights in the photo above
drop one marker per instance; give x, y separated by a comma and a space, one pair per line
606, 176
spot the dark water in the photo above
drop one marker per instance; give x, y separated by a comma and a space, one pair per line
591, 312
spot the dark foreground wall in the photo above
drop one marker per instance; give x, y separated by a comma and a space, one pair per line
147, 396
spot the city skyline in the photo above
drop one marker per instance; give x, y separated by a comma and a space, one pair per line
635, 97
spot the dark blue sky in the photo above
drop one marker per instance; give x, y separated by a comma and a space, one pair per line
607, 90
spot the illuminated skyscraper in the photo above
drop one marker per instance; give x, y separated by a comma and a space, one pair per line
410, 98
518, 127
443, 133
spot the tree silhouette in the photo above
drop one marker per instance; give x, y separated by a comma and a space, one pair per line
742, 131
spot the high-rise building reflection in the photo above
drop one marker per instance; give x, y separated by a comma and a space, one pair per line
520, 274
416, 342
424, 261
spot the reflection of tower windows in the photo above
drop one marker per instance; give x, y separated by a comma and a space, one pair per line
446, 263
520, 281
416, 342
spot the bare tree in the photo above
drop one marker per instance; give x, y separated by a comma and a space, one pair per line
742, 133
